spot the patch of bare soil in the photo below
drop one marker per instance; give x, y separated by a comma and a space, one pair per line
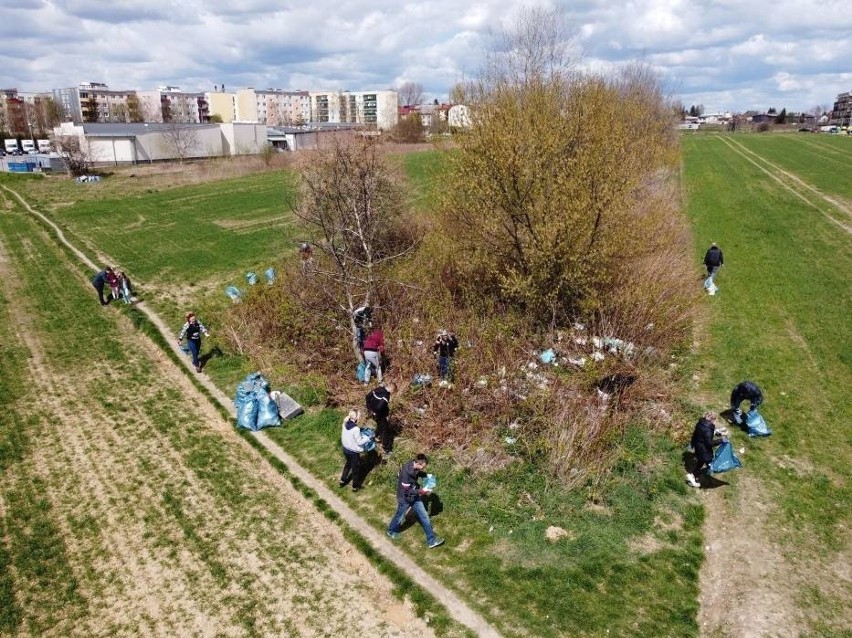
159, 543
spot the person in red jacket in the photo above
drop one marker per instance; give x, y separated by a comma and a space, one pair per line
374, 346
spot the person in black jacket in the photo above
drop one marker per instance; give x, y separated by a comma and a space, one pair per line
409, 496
713, 260
99, 281
192, 329
445, 347
702, 444
745, 390
378, 406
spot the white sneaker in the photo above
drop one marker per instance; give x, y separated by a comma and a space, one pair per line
690, 479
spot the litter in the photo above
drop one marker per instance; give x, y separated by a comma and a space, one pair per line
548, 356
598, 356
756, 425
724, 459
710, 286
234, 294
251, 278
430, 483
421, 380
270, 275
257, 408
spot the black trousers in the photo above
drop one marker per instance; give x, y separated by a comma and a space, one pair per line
351, 469
385, 432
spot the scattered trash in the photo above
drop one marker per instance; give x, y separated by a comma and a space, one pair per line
577, 362
482, 382
251, 278
511, 440
421, 380
270, 275
548, 356
579, 326
445, 384
514, 425
598, 356
87, 179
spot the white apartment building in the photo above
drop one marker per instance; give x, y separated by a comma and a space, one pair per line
378, 109
98, 103
170, 104
273, 106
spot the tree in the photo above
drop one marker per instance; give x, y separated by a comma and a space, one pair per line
215, 119
781, 118
90, 109
409, 129
351, 204
771, 111
546, 187
181, 140
75, 152
410, 93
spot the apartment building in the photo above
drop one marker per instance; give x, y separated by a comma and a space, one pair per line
170, 104
841, 114
373, 109
222, 104
96, 102
275, 107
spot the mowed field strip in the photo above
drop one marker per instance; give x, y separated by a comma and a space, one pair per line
835, 210
129, 506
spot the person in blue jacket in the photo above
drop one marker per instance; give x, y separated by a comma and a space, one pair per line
99, 281
192, 329
745, 390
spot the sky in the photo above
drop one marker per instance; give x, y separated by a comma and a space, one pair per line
727, 55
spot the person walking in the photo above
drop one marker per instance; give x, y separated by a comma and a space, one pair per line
745, 390
353, 445
409, 496
306, 253
374, 347
192, 329
702, 444
100, 281
378, 406
713, 260
445, 347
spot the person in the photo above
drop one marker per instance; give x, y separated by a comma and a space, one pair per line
306, 253
409, 495
126, 288
703, 443
713, 260
99, 281
112, 280
192, 329
745, 390
445, 347
378, 406
353, 445
374, 347
361, 317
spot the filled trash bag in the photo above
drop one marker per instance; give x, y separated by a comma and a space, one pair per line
756, 425
724, 459
267, 411
251, 278
233, 293
548, 356
247, 414
430, 483
270, 275
710, 286
360, 370
369, 436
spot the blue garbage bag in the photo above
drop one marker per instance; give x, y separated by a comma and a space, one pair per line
361, 370
234, 293
724, 459
267, 411
247, 414
756, 425
248, 398
548, 356
251, 278
430, 482
270, 275
369, 435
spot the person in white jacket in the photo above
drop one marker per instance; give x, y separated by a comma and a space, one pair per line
353, 444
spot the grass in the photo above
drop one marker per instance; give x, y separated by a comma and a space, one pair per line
630, 561
782, 320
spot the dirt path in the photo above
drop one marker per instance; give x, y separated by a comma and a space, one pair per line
334, 567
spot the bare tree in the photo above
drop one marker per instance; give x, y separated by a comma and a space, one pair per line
350, 201
410, 93
181, 140
75, 152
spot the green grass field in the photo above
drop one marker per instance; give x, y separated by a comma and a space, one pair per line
630, 562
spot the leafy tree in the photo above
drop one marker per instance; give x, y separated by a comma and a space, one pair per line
216, 119
351, 204
546, 186
409, 129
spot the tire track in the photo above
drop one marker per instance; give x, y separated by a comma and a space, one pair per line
838, 205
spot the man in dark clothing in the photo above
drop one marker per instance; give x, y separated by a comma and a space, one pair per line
378, 405
713, 260
409, 495
702, 444
99, 281
745, 390
445, 347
